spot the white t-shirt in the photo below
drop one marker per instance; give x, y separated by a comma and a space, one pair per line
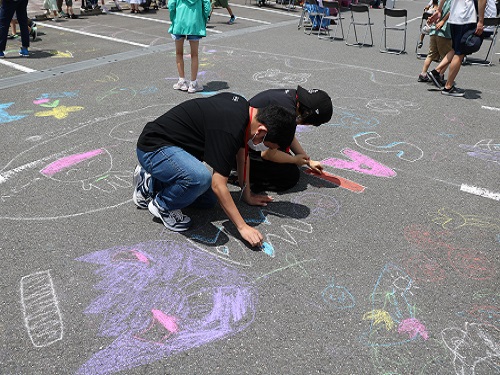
490, 12
462, 12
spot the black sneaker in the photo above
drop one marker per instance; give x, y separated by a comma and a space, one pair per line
423, 78
453, 91
174, 220
435, 78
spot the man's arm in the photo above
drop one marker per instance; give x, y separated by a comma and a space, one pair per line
437, 14
481, 7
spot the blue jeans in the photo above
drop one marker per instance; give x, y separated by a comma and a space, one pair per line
178, 178
6, 12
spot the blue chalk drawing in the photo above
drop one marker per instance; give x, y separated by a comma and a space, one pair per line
5, 116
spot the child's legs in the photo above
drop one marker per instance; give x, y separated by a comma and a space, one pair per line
229, 11
194, 44
432, 55
179, 56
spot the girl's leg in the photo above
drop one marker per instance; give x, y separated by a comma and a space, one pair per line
179, 56
194, 44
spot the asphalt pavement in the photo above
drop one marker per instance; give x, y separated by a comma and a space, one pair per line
387, 265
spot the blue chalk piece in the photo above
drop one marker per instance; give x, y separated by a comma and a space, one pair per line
267, 248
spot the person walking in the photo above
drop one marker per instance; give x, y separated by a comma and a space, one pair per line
189, 21
7, 10
223, 4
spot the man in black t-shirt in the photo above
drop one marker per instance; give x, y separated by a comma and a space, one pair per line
171, 151
278, 170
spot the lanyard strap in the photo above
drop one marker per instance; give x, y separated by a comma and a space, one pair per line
246, 147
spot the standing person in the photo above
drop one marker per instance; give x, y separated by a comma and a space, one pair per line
439, 45
134, 6
278, 170
217, 130
463, 17
7, 10
189, 20
222, 4
429, 10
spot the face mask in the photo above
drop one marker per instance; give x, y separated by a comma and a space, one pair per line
257, 147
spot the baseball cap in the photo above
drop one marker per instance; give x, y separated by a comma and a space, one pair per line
318, 102
470, 42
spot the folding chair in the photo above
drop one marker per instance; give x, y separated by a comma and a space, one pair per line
303, 15
425, 16
494, 21
331, 13
313, 15
357, 19
394, 13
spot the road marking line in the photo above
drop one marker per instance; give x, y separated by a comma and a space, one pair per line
243, 18
490, 108
154, 20
93, 35
17, 66
480, 191
287, 13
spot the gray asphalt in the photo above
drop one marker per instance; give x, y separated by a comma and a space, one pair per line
392, 268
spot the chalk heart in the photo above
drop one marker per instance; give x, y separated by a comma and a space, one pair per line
338, 297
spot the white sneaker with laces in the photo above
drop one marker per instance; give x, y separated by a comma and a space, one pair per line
181, 85
174, 220
194, 86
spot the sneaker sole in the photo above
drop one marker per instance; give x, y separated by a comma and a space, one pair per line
154, 211
435, 81
135, 181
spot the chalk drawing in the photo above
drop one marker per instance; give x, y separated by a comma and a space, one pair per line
57, 95
485, 154
475, 348
360, 163
61, 54
181, 298
404, 150
450, 219
479, 191
291, 263
486, 314
108, 78
391, 308
277, 77
42, 317
59, 112
320, 207
336, 180
5, 117
391, 106
69, 161
48, 104
338, 296
351, 120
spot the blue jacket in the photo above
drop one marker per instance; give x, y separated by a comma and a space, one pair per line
189, 17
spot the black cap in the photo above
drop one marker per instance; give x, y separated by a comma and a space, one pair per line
318, 102
470, 42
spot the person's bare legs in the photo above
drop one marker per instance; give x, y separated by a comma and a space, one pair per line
455, 65
445, 62
179, 56
194, 44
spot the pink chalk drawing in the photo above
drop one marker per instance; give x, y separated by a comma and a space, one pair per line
69, 161
161, 298
414, 328
360, 163
41, 101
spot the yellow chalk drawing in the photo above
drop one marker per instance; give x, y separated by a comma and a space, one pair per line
109, 78
378, 317
63, 55
451, 220
59, 112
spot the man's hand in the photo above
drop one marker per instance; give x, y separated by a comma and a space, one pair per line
479, 28
252, 236
256, 199
436, 16
301, 159
315, 166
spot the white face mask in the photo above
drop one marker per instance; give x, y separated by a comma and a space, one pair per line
259, 146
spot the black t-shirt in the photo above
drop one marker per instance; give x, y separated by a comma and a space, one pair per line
283, 97
211, 129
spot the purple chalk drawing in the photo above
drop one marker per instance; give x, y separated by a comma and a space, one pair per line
413, 327
360, 163
69, 161
161, 298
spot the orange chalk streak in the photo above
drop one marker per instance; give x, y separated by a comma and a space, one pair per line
337, 180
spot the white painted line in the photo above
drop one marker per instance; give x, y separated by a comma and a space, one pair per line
90, 34
17, 66
243, 18
490, 108
413, 19
154, 20
480, 191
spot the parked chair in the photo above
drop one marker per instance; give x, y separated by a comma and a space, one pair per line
420, 55
492, 41
332, 14
360, 16
397, 14
304, 15
314, 13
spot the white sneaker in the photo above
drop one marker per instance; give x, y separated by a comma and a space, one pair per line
194, 86
174, 220
181, 85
